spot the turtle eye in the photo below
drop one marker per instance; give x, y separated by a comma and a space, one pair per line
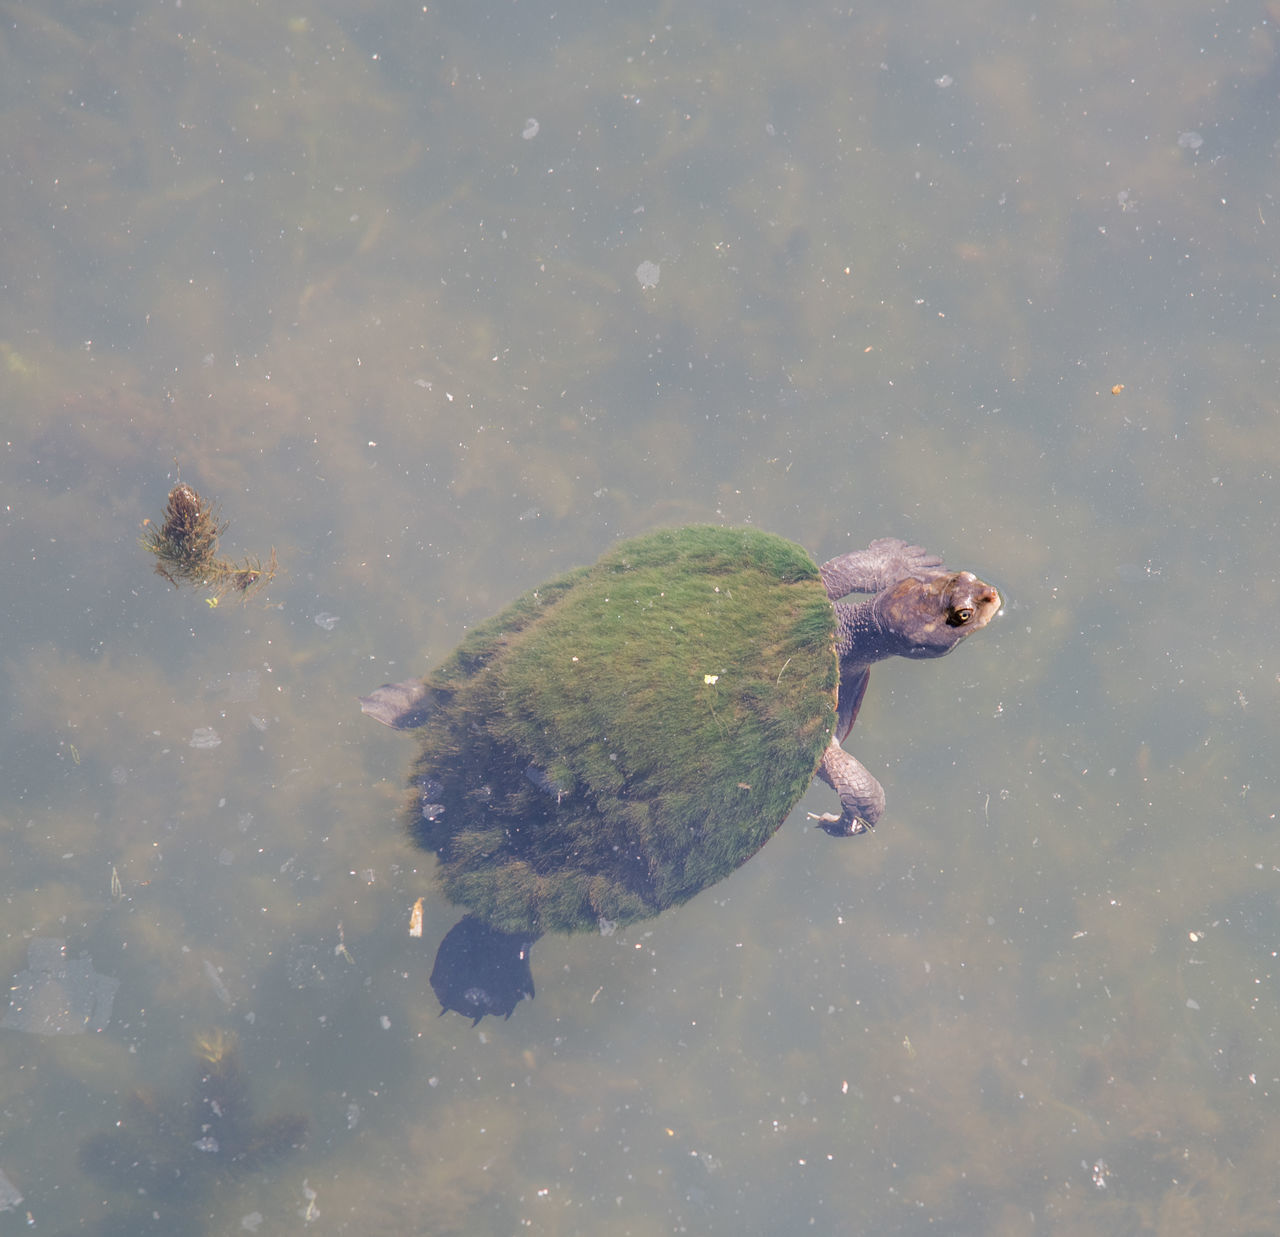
963, 615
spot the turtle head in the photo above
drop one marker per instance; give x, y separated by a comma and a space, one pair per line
928, 618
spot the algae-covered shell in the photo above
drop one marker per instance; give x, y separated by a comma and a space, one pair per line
629, 733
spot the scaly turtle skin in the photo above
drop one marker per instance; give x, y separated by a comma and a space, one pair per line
631, 732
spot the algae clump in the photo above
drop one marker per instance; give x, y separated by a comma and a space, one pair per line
186, 548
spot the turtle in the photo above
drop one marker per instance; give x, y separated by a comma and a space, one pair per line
629, 733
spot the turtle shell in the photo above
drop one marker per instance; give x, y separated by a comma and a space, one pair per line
629, 733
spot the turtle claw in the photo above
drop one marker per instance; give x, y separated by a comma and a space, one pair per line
840, 826
907, 557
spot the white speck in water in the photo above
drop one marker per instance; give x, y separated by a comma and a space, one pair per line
205, 737
944, 81
327, 621
531, 127
647, 273
1190, 140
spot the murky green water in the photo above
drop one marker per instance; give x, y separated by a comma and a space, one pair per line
440, 300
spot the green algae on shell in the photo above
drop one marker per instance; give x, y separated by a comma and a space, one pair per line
629, 733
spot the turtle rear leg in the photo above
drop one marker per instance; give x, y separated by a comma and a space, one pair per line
861, 796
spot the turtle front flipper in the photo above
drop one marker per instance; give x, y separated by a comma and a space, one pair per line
883, 563
861, 796
402, 706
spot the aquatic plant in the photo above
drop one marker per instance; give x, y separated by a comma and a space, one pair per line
186, 548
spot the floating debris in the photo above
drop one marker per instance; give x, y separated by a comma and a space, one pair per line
647, 273
215, 980
186, 548
57, 996
237, 686
310, 1211
204, 739
340, 950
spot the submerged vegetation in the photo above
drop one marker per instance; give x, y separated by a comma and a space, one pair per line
177, 1150
186, 548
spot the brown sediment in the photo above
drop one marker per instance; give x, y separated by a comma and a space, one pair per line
186, 548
